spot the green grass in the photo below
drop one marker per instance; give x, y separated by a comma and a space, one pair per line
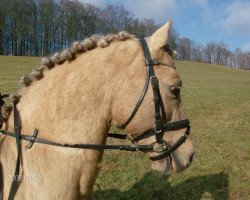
217, 101
11, 70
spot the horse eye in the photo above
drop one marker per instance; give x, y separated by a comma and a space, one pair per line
175, 90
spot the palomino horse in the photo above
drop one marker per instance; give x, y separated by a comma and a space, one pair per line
74, 98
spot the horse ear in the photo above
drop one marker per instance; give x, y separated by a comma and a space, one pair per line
159, 38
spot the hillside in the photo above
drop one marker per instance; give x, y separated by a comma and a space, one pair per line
217, 101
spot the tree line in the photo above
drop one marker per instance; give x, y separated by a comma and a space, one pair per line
213, 52
41, 27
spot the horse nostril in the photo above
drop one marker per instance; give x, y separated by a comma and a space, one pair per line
191, 158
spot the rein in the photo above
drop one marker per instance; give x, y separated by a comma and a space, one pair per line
161, 126
33, 139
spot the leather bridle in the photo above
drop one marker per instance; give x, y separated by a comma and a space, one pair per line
161, 126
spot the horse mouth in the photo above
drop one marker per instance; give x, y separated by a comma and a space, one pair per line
178, 166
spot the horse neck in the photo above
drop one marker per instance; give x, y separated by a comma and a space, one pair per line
72, 103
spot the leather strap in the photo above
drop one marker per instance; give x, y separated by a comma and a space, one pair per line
82, 146
171, 126
158, 104
15, 183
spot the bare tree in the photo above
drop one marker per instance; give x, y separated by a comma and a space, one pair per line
197, 53
39, 27
185, 49
209, 50
174, 38
2, 24
116, 18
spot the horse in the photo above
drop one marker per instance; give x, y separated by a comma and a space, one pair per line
75, 96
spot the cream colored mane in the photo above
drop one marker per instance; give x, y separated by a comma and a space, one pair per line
69, 55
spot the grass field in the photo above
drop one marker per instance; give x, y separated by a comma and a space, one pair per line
217, 101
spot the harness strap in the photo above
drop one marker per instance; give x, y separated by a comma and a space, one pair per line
14, 185
158, 104
118, 136
171, 126
83, 146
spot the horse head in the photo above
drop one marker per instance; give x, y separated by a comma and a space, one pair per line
169, 94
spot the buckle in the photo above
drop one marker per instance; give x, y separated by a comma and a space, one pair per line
154, 82
149, 62
156, 61
158, 131
185, 136
157, 100
33, 138
162, 146
158, 125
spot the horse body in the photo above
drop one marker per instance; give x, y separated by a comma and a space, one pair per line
76, 102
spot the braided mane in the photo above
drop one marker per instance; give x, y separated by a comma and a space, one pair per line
68, 54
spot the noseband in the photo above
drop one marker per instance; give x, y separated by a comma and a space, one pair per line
161, 126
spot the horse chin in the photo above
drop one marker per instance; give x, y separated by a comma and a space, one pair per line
164, 166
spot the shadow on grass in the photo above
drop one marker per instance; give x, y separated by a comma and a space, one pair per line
153, 187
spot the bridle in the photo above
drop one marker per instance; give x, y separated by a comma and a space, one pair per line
161, 126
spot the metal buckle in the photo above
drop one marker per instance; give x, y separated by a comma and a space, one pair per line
163, 146
185, 135
158, 131
158, 125
154, 82
156, 61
